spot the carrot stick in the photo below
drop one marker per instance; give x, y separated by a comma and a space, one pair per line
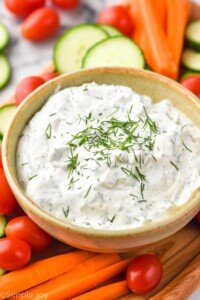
150, 36
40, 271
110, 291
159, 8
78, 280
177, 16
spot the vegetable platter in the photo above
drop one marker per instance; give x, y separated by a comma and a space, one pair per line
179, 253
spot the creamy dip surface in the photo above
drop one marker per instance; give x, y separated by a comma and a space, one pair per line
103, 156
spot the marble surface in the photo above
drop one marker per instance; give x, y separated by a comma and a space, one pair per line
28, 58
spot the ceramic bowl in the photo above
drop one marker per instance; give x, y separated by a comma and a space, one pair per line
143, 82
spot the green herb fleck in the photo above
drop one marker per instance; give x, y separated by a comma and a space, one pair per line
112, 219
65, 211
173, 164
48, 131
87, 192
30, 178
186, 146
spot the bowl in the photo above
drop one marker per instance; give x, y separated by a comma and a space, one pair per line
124, 240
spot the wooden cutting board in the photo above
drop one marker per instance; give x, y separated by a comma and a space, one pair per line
179, 253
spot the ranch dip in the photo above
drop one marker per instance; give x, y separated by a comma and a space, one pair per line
103, 156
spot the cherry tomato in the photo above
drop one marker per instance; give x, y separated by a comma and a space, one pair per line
23, 7
1, 164
24, 228
41, 24
26, 86
198, 217
66, 4
192, 83
144, 273
118, 17
7, 199
14, 253
49, 75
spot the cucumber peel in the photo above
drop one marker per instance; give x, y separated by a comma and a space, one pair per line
6, 113
5, 70
4, 36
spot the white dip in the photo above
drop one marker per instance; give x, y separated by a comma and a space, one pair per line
103, 156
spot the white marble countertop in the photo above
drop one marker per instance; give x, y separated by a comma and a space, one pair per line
28, 58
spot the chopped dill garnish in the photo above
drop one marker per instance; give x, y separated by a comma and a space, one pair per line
112, 219
30, 178
52, 115
142, 189
141, 176
24, 164
153, 157
130, 173
85, 89
186, 146
48, 131
65, 211
72, 161
87, 192
150, 123
173, 164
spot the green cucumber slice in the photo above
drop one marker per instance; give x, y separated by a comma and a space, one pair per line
3, 223
73, 44
2, 271
5, 71
108, 53
6, 113
188, 74
192, 35
111, 31
4, 36
191, 60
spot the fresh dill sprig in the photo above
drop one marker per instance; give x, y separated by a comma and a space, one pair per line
87, 191
30, 178
150, 123
72, 161
186, 146
173, 164
112, 219
65, 211
48, 131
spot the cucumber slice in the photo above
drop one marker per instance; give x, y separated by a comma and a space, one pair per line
188, 74
6, 113
2, 271
3, 223
107, 53
5, 70
192, 35
111, 31
73, 44
191, 60
4, 36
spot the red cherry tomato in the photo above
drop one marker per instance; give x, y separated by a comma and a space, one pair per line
192, 83
14, 253
144, 273
26, 86
1, 164
66, 4
41, 24
7, 199
24, 228
23, 7
117, 16
198, 217
49, 75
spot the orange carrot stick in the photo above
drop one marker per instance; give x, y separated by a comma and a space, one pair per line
150, 36
80, 279
110, 291
177, 16
159, 7
40, 271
